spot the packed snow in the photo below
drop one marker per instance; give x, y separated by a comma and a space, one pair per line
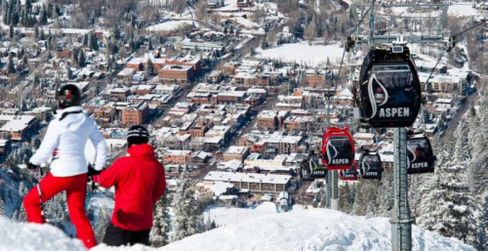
251, 229
303, 53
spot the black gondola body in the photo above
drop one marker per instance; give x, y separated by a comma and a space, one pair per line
337, 148
370, 165
389, 91
317, 170
312, 168
350, 174
420, 155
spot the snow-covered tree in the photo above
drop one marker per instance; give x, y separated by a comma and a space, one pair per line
447, 207
384, 197
187, 220
2, 207
461, 147
161, 224
346, 198
149, 71
479, 126
482, 226
102, 220
93, 41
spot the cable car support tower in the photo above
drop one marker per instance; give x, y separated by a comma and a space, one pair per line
401, 219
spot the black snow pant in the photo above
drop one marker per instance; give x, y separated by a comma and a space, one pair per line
116, 236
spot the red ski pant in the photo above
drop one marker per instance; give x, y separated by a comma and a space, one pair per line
75, 188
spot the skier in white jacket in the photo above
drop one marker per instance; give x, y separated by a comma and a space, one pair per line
64, 142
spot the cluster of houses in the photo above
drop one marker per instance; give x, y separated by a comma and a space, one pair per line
205, 112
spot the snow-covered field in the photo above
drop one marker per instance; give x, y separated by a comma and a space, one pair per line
171, 25
303, 53
251, 229
464, 10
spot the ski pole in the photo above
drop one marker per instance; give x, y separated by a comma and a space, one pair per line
38, 177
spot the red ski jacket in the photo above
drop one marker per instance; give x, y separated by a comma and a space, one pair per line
139, 182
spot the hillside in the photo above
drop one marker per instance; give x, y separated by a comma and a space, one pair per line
259, 229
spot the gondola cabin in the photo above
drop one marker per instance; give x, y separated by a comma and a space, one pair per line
337, 148
317, 170
420, 155
350, 174
370, 166
312, 168
389, 88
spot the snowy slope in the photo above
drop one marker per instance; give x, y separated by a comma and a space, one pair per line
248, 229
310, 229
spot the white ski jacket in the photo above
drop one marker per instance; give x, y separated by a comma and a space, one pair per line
65, 141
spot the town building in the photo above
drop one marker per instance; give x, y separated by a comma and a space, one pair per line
135, 114
253, 182
18, 126
237, 153
180, 74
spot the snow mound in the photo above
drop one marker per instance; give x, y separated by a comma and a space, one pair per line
25, 237
311, 229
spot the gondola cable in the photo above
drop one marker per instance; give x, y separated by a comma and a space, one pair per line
349, 43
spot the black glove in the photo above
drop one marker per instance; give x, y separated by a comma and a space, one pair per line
31, 166
92, 171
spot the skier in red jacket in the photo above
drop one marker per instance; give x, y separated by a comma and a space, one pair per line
139, 182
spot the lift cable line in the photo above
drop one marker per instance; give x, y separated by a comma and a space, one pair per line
470, 28
332, 179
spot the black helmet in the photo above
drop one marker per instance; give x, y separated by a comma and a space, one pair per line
137, 134
68, 95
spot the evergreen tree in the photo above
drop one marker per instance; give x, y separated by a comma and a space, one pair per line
115, 33
461, 148
149, 71
161, 225
448, 208
384, 199
101, 223
14, 17
36, 32
74, 57
132, 45
85, 39
43, 15
11, 31
264, 42
482, 226
10, 64
81, 58
2, 207
93, 41
42, 35
346, 198
186, 218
